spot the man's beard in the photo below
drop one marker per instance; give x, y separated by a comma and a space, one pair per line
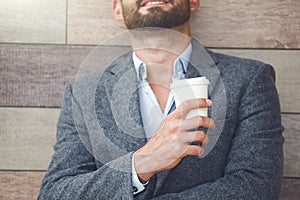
156, 16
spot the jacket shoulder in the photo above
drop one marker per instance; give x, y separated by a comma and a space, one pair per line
236, 62
240, 68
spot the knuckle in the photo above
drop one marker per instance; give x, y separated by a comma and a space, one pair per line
212, 124
206, 122
201, 151
200, 119
185, 104
171, 126
206, 140
197, 150
201, 101
201, 135
173, 129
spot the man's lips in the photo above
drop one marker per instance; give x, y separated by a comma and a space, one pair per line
153, 2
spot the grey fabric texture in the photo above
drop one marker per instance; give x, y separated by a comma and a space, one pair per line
100, 127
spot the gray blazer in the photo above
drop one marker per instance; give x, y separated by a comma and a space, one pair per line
100, 127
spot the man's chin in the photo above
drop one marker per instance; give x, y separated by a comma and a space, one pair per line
156, 17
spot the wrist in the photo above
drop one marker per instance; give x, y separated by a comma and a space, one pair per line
144, 177
142, 167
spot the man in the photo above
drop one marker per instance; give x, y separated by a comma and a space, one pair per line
120, 137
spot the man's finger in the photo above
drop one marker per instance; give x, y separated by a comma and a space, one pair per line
205, 141
183, 109
195, 136
196, 122
194, 150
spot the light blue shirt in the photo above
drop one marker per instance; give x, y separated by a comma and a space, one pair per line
152, 114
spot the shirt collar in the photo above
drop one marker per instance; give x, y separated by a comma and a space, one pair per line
180, 64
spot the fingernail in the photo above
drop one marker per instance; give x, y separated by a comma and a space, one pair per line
209, 102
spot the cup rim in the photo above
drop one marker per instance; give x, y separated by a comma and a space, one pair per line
190, 81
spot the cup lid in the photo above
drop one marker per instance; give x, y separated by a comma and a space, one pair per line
190, 81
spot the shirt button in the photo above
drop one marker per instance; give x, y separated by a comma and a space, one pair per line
134, 189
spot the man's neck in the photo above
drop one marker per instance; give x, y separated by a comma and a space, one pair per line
159, 48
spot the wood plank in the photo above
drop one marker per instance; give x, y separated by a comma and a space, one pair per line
33, 21
287, 67
248, 23
20, 185
91, 22
27, 137
227, 23
35, 75
290, 189
25, 186
291, 122
28, 146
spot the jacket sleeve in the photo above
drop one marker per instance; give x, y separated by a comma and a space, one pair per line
73, 174
254, 165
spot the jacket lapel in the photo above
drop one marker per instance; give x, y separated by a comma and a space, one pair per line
125, 104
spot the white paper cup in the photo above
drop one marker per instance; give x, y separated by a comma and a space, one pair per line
192, 88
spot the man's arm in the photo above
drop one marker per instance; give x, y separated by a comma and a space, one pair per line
254, 166
72, 173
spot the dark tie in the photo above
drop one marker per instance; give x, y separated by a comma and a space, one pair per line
173, 107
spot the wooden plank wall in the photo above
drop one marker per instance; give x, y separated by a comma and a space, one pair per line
31, 21
44, 43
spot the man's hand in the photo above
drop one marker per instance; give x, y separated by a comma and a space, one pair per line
172, 141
